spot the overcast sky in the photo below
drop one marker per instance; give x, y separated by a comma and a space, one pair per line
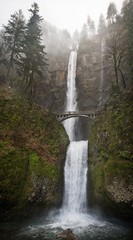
70, 14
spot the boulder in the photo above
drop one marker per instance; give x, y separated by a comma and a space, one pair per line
67, 235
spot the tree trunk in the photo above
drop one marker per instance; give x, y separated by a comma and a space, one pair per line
116, 74
123, 78
11, 60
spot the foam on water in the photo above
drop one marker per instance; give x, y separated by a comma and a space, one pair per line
75, 221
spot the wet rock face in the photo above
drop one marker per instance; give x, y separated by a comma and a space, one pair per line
113, 192
119, 195
120, 189
56, 83
43, 190
88, 79
58, 90
59, 76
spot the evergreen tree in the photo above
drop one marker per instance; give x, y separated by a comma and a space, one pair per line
14, 38
128, 23
2, 52
65, 39
111, 13
32, 62
75, 39
91, 26
101, 26
84, 32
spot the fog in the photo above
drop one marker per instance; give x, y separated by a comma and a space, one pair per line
65, 14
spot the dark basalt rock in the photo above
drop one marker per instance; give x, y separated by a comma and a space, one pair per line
67, 235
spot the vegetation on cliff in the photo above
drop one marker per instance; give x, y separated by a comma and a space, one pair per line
111, 155
32, 146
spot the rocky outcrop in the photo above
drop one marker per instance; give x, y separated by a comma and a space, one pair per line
111, 187
67, 235
120, 189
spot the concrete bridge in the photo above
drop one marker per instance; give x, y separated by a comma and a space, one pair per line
85, 114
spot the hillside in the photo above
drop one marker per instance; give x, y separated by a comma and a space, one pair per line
33, 145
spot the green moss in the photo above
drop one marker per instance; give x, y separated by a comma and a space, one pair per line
118, 168
13, 173
50, 170
34, 162
42, 167
112, 132
98, 177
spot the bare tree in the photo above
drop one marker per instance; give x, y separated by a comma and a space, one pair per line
116, 52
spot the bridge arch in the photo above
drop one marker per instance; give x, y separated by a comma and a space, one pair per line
64, 116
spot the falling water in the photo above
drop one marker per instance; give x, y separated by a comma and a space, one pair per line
75, 171
71, 83
75, 177
71, 95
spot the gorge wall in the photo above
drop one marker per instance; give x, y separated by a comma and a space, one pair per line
88, 75
111, 157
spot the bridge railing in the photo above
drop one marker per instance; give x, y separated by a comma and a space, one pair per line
75, 113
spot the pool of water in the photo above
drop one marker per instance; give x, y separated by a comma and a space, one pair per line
85, 226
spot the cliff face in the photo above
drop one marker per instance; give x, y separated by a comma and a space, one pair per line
33, 147
111, 155
88, 75
54, 91
58, 90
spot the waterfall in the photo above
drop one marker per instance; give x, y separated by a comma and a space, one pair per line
73, 213
75, 170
